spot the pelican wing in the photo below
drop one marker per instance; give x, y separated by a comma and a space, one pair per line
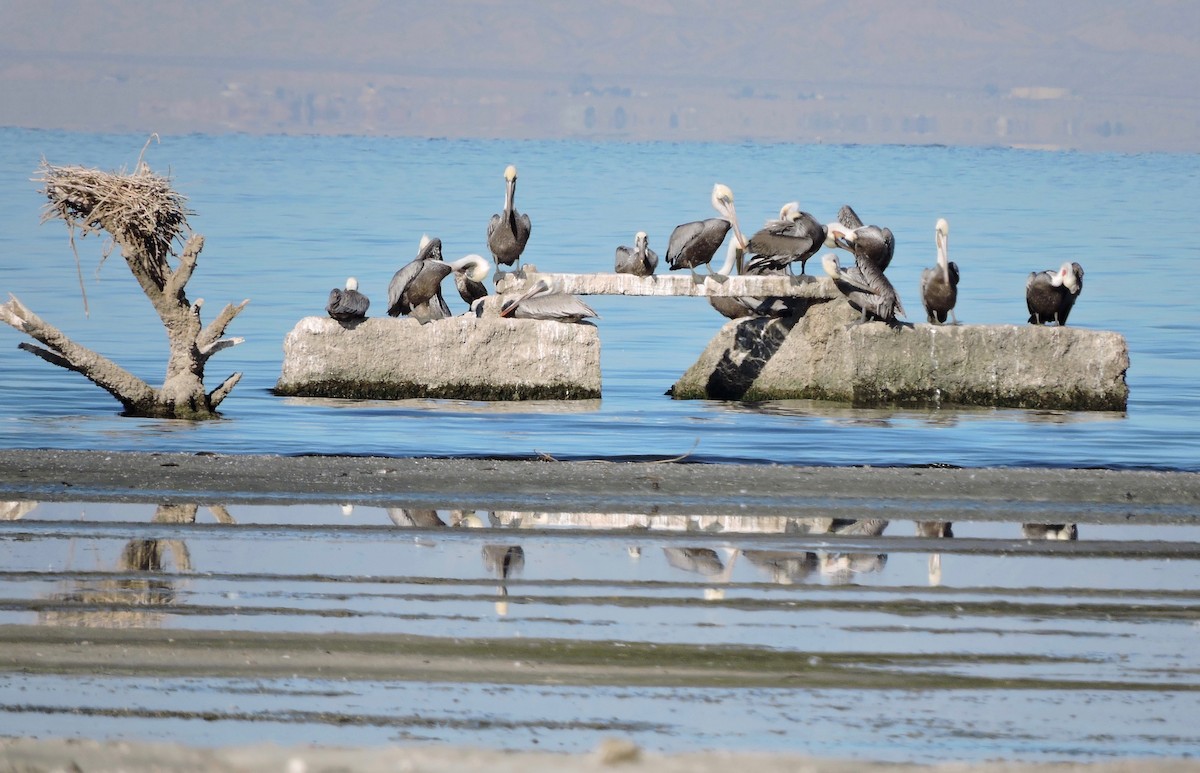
694, 244
398, 302
849, 218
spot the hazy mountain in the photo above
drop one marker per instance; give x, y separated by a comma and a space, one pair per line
1094, 74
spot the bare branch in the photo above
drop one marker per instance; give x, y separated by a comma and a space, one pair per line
65, 353
216, 328
187, 264
221, 343
220, 393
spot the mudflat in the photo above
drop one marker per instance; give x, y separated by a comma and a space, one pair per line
668, 486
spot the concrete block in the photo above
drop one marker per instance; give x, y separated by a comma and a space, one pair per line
463, 357
817, 357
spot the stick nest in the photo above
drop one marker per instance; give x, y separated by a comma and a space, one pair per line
140, 211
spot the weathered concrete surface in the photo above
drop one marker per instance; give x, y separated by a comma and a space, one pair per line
702, 284
818, 357
463, 357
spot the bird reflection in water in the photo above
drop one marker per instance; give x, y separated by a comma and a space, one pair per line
141, 597
504, 561
936, 530
1052, 531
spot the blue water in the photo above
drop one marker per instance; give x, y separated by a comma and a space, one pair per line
287, 218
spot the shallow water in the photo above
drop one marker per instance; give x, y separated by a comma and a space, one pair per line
555, 629
287, 218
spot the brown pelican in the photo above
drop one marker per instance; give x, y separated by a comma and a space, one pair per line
795, 236
347, 305
694, 244
1049, 295
541, 302
508, 231
939, 285
640, 260
416, 289
868, 291
850, 219
469, 273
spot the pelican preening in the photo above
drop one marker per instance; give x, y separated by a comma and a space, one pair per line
540, 301
864, 290
416, 289
469, 273
1049, 295
849, 219
347, 305
639, 260
508, 231
794, 237
939, 285
694, 244
865, 286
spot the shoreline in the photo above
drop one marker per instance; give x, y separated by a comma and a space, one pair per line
667, 487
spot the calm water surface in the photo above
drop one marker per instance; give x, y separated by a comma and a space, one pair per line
1000, 640
286, 219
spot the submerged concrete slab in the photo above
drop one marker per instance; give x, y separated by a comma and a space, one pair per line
463, 357
817, 357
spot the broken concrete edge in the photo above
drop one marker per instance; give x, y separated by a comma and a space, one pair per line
408, 390
821, 356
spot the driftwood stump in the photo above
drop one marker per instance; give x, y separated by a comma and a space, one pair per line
145, 219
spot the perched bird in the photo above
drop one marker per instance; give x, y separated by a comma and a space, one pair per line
794, 237
939, 284
541, 302
864, 291
347, 305
469, 273
1049, 295
640, 260
416, 289
694, 244
508, 231
850, 219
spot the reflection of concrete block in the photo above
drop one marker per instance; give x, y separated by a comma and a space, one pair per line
461, 357
818, 357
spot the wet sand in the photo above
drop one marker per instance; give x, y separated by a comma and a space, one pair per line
677, 487
648, 487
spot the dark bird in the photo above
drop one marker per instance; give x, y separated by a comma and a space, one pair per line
1049, 294
794, 237
866, 290
639, 260
939, 284
850, 219
694, 244
416, 289
469, 273
347, 305
541, 302
508, 231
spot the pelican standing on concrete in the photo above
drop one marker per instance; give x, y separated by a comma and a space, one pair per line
640, 260
416, 289
694, 244
541, 302
347, 305
865, 286
939, 284
508, 231
794, 237
1049, 295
